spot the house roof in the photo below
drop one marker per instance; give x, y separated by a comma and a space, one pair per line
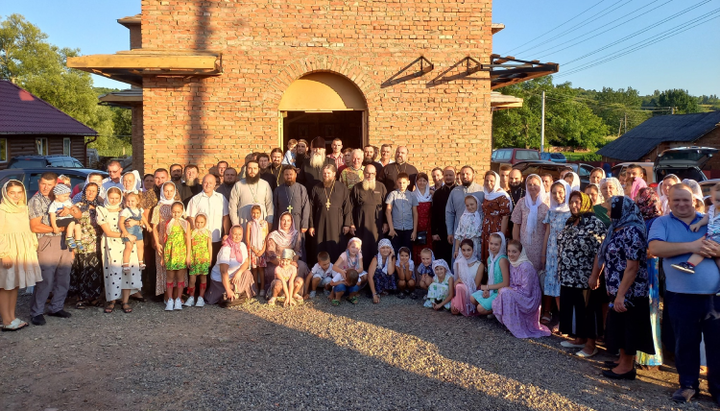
642, 139
23, 113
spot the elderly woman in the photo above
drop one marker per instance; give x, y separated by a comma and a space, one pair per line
86, 275
609, 187
496, 208
528, 218
230, 277
18, 252
131, 183
623, 258
285, 237
578, 245
118, 284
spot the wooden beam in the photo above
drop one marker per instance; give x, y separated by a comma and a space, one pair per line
143, 62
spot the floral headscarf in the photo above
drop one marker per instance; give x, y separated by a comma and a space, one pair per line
84, 200
586, 206
623, 213
383, 243
648, 203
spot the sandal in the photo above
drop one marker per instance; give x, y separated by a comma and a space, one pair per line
546, 319
142, 265
272, 301
110, 307
138, 297
126, 308
16, 324
335, 302
354, 299
80, 305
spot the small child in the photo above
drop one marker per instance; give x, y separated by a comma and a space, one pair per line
201, 250
712, 221
132, 212
470, 226
177, 254
291, 152
63, 179
401, 213
286, 280
73, 229
342, 284
405, 269
352, 259
322, 273
256, 230
442, 289
382, 268
424, 270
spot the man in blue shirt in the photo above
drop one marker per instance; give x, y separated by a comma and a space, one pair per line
692, 300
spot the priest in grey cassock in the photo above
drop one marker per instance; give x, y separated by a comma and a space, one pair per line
311, 165
331, 217
368, 211
292, 197
248, 191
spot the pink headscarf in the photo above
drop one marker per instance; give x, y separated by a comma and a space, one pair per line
637, 185
235, 248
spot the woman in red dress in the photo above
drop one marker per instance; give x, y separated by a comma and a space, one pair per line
424, 197
496, 209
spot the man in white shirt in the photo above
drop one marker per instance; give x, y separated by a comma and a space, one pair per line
114, 179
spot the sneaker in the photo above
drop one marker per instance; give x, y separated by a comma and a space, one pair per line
190, 302
178, 304
684, 267
313, 294
170, 305
200, 302
80, 247
684, 395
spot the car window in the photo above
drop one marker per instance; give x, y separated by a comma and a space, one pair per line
75, 180
531, 170
504, 155
682, 173
28, 164
75, 163
583, 171
527, 155
32, 183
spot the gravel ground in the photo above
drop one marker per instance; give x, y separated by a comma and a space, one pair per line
395, 355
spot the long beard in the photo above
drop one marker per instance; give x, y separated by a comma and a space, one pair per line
252, 180
328, 183
368, 185
317, 160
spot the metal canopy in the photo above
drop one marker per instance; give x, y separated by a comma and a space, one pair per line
505, 71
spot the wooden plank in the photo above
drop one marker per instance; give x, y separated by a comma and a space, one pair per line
143, 62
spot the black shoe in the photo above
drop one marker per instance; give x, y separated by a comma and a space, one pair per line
610, 364
630, 375
413, 296
684, 395
401, 295
38, 320
61, 314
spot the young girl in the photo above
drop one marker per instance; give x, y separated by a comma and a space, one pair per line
200, 258
352, 258
554, 222
498, 275
255, 232
177, 254
133, 212
424, 198
405, 269
424, 270
468, 273
442, 289
382, 270
286, 280
470, 226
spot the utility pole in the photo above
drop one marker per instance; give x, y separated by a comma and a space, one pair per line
625, 122
542, 126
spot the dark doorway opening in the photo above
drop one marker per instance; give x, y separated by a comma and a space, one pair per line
345, 125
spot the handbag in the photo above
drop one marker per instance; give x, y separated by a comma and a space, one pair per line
421, 237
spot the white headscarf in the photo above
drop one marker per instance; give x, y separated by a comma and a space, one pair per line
554, 205
107, 204
492, 259
533, 205
575, 185
423, 198
523, 258
661, 193
496, 191
138, 183
442, 263
462, 270
696, 190
615, 182
383, 266
163, 199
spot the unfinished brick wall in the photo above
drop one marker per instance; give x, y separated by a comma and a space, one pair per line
268, 45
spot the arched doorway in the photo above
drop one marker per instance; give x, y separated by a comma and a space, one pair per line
326, 105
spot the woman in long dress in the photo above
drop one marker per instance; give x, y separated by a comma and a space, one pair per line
118, 285
527, 217
424, 197
555, 223
496, 208
86, 275
161, 214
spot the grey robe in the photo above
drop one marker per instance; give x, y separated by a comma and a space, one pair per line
243, 196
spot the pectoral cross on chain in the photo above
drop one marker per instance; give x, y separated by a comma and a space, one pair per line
327, 204
290, 209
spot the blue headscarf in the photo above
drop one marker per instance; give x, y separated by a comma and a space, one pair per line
623, 213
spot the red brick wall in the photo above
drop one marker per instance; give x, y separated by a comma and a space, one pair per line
268, 45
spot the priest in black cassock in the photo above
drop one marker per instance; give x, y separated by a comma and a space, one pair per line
368, 213
311, 165
292, 197
330, 219
390, 172
441, 246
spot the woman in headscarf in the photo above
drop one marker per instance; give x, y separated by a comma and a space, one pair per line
578, 245
424, 197
637, 185
160, 216
573, 180
18, 252
131, 183
518, 305
381, 271
554, 223
230, 275
698, 199
650, 208
496, 208
468, 273
596, 175
498, 275
623, 257
86, 275
527, 218
593, 191
285, 237
609, 187
662, 190
118, 285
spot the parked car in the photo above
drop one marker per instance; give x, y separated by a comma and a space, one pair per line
512, 156
554, 157
52, 160
31, 176
707, 185
549, 167
618, 170
684, 162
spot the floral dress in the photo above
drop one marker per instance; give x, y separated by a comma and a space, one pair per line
383, 281
86, 275
161, 214
493, 211
556, 220
175, 251
533, 245
438, 291
200, 252
577, 247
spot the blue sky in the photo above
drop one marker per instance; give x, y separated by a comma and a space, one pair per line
689, 60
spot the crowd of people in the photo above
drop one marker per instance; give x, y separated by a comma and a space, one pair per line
287, 227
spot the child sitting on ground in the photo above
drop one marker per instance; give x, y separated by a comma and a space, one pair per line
424, 271
382, 269
405, 269
132, 212
442, 289
256, 230
352, 259
286, 280
291, 152
322, 273
712, 221
347, 284
73, 230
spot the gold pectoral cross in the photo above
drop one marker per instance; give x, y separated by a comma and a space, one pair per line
290, 209
327, 204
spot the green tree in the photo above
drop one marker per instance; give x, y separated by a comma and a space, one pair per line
681, 100
620, 109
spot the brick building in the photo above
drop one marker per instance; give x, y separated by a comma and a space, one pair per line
222, 78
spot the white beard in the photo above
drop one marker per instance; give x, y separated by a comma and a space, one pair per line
368, 185
317, 160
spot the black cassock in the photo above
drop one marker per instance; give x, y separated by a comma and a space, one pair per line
368, 212
296, 198
328, 222
309, 176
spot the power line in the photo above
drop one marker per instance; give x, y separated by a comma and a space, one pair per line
557, 27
